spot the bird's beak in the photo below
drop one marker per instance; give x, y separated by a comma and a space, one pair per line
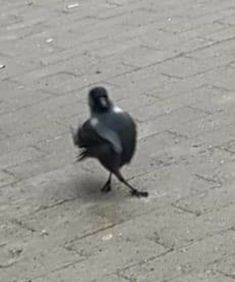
104, 102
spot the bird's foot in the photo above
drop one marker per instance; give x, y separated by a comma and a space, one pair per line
106, 188
138, 193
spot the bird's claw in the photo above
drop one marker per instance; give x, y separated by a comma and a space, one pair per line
137, 193
106, 188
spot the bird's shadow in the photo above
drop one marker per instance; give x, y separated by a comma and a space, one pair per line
89, 190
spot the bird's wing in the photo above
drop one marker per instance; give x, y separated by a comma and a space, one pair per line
90, 135
109, 135
86, 136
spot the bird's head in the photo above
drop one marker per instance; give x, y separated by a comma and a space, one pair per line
99, 101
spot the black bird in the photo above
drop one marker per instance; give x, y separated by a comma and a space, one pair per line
109, 135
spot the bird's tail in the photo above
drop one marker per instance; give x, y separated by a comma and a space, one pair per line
82, 155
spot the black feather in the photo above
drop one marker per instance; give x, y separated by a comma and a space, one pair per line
109, 136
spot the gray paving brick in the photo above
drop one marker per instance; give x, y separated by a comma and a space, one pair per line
20, 99
22, 267
221, 77
182, 67
7, 178
173, 121
226, 267
18, 157
11, 232
203, 276
171, 65
227, 33
228, 20
198, 256
125, 252
41, 133
229, 146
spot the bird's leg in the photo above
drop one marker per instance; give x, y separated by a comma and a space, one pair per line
134, 191
107, 186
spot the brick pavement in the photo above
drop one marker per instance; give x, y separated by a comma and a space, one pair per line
171, 64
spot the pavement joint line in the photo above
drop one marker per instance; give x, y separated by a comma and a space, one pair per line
54, 270
127, 46
178, 249
171, 76
213, 130
208, 179
186, 210
143, 262
58, 203
195, 108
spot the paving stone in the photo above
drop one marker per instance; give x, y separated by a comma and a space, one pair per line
172, 67
203, 276
183, 261
226, 267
